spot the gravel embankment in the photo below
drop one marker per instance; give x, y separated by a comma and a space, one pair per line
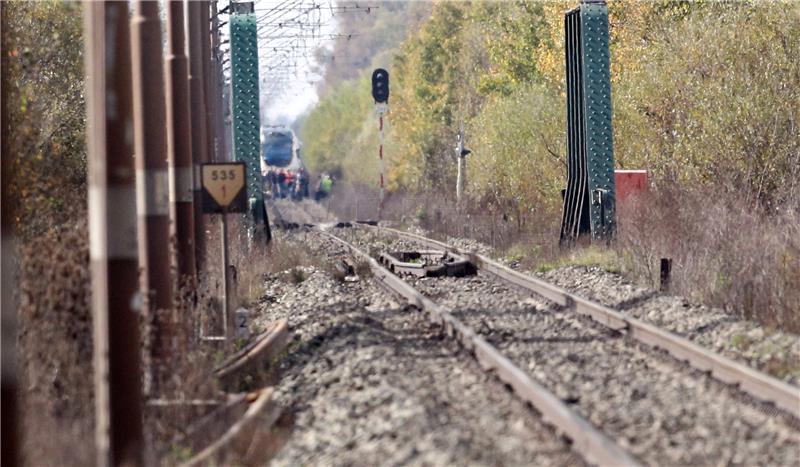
372, 383
661, 410
774, 352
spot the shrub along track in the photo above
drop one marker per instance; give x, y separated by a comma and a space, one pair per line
660, 409
370, 382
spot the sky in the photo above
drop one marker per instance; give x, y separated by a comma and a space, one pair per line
289, 32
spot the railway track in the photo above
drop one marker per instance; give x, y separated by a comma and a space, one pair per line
758, 385
591, 443
654, 396
368, 381
640, 390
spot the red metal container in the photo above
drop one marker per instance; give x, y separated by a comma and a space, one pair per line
629, 182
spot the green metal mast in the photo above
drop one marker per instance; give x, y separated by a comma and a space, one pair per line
245, 105
589, 200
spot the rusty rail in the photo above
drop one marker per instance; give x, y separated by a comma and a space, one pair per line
260, 353
592, 444
262, 408
755, 383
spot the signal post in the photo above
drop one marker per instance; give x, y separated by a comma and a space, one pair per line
380, 92
224, 191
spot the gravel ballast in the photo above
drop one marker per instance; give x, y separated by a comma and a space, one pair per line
771, 351
370, 382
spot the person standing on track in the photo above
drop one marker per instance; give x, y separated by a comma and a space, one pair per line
324, 187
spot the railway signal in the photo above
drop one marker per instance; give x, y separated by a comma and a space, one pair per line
380, 86
225, 190
380, 92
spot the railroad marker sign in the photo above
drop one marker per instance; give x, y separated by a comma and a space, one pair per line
224, 187
224, 191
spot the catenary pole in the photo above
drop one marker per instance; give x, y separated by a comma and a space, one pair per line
179, 144
9, 431
112, 235
199, 134
208, 80
218, 81
152, 181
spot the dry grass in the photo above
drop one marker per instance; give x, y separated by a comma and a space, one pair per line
55, 352
725, 253
54, 345
499, 224
253, 262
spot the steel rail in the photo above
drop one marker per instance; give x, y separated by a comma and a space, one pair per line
262, 407
265, 348
753, 382
587, 440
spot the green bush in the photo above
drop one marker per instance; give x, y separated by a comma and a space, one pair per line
518, 151
715, 100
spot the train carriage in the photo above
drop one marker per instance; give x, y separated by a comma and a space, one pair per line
282, 167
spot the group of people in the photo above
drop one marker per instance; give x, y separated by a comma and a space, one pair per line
288, 184
284, 183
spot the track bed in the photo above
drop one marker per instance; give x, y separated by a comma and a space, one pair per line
371, 382
659, 409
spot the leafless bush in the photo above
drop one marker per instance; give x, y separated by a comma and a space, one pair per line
55, 348
724, 252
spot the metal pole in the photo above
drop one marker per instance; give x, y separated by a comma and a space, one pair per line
380, 156
461, 175
112, 236
208, 80
179, 145
151, 177
226, 312
8, 372
216, 63
199, 134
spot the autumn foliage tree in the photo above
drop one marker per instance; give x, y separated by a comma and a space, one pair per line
46, 112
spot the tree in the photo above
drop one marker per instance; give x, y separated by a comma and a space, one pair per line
47, 111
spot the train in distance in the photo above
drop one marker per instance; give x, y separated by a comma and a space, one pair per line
282, 168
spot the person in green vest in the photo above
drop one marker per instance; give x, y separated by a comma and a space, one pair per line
324, 187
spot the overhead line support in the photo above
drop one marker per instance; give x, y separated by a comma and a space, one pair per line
152, 188
113, 250
179, 141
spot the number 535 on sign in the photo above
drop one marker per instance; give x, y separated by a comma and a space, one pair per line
224, 188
